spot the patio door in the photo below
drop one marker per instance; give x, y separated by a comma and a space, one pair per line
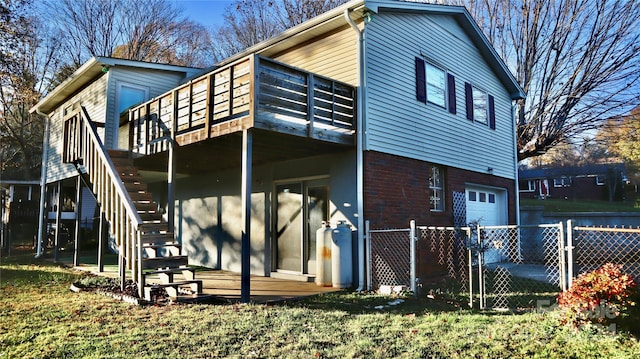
300, 209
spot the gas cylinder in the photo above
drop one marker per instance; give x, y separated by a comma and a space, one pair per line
341, 260
323, 255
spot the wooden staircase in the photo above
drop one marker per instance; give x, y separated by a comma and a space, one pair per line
163, 265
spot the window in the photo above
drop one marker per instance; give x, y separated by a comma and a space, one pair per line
435, 85
492, 198
527, 185
436, 189
601, 180
472, 196
480, 106
483, 197
561, 182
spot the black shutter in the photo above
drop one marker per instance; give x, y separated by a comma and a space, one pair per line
492, 113
421, 81
451, 87
468, 98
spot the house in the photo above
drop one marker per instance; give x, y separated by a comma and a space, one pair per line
602, 182
377, 111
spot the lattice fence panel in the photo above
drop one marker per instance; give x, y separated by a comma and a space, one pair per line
390, 257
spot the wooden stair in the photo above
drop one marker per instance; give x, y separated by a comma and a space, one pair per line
162, 258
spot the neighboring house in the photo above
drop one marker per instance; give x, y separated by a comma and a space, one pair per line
378, 111
589, 182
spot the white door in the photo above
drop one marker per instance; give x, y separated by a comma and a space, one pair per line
488, 207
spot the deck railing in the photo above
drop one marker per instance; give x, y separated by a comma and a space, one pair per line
83, 147
251, 92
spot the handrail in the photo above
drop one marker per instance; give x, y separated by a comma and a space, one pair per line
84, 148
113, 175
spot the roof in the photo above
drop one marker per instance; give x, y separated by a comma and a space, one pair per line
587, 170
92, 69
335, 18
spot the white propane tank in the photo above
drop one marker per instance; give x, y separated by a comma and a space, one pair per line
342, 276
323, 255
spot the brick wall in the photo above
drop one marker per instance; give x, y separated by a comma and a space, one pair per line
396, 190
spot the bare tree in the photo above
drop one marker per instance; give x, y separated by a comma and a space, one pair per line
144, 30
294, 12
577, 60
87, 27
249, 22
153, 31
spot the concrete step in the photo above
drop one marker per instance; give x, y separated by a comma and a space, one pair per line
175, 289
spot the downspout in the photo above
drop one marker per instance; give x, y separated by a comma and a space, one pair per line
43, 182
515, 153
359, 150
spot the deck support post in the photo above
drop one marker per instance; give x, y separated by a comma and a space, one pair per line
56, 239
247, 149
171, 171
76, 231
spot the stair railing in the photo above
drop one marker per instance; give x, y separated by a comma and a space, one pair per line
83, 148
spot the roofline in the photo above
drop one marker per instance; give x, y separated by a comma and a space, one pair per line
460, 12
91, 65
332, 14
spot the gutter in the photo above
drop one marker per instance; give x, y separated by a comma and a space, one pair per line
359, 149
43, 182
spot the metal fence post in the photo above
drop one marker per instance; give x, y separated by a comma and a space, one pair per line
413, 239
369, 265
562, 274
481, 287
569, 253
470, 257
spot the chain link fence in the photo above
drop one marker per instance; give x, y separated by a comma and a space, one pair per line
592, 247
499, 267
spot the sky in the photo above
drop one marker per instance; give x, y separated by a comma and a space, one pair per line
206, 12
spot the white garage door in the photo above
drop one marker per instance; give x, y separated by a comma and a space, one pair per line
486, 205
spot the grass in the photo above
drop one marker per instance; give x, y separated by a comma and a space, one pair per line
561, 205
41, 318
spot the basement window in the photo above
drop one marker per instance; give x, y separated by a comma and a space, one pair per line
436, 189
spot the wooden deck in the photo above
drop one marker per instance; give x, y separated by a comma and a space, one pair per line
225, 285
253, 92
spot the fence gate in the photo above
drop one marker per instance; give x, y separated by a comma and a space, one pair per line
518, 265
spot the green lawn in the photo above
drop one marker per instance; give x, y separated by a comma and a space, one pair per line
41, 318
561, 205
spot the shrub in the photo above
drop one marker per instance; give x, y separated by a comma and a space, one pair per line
599, 296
